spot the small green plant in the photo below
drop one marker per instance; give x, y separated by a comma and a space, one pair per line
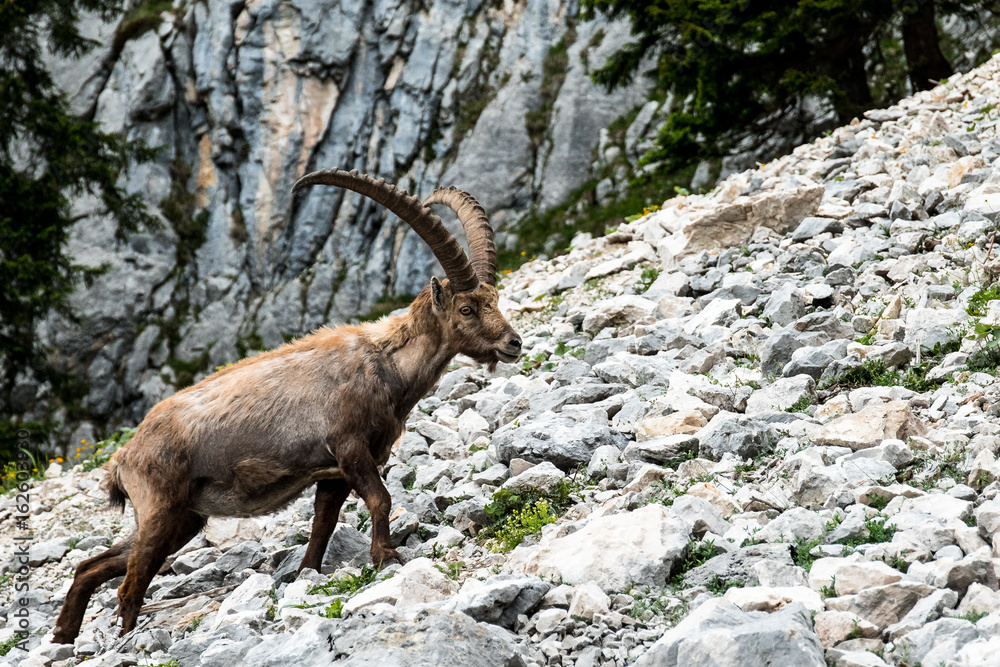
866, 339
898, 563
532, 362
334, 609
874, 373
6, 646
829, 591
517, 515
10, 474
801, 405
647, 278
801, 552
646, 210
878, 502
979, 302
718, 585
519, 525
878, 532
349, 584
649, 603
452, 570
195, 624
104, 449
697, 553
974, 616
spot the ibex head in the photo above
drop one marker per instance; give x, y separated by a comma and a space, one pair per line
465, 303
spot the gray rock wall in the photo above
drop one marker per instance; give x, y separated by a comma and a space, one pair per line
245, 98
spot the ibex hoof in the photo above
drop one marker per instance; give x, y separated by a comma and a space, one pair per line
383, 557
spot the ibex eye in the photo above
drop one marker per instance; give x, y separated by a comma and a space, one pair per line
465, 310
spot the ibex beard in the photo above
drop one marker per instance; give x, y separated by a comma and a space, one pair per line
323, 410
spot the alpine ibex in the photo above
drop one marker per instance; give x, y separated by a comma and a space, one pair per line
325, 410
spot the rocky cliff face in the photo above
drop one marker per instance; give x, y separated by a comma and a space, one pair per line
494, 98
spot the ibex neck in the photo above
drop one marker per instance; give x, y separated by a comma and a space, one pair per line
416, 347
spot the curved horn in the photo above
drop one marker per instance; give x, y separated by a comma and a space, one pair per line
477, 229
409, 209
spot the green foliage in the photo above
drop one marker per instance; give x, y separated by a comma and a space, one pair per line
6, 646
104, 449
874, 373
520, 524
878, 502
866, 339
140, 19
531, 362
349, 584
987, 357
829, 591
479, 94
878, 532
10, 474
801, 552
741, 72
452, 570
979, 302
719, 586
646, 210
514, 516
648, 277
334, 609
649, 603
696, 553
801, 405
48, 156
974, 616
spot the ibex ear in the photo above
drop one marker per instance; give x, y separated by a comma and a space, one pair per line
437, 293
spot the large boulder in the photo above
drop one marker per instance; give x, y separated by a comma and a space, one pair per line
417, 582
871, 426
737, 567
616, 551
741, 435
813, 330
617, 311
719, 633
562, 440
499, 599
784, 394
431, 637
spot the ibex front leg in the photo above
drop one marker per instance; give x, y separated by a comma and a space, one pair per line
361, 473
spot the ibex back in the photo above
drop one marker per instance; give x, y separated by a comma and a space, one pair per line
324, 410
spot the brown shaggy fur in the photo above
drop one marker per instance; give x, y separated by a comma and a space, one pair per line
324, 410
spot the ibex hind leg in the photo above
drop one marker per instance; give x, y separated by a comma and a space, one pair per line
158, 536
330, 496
90, 574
